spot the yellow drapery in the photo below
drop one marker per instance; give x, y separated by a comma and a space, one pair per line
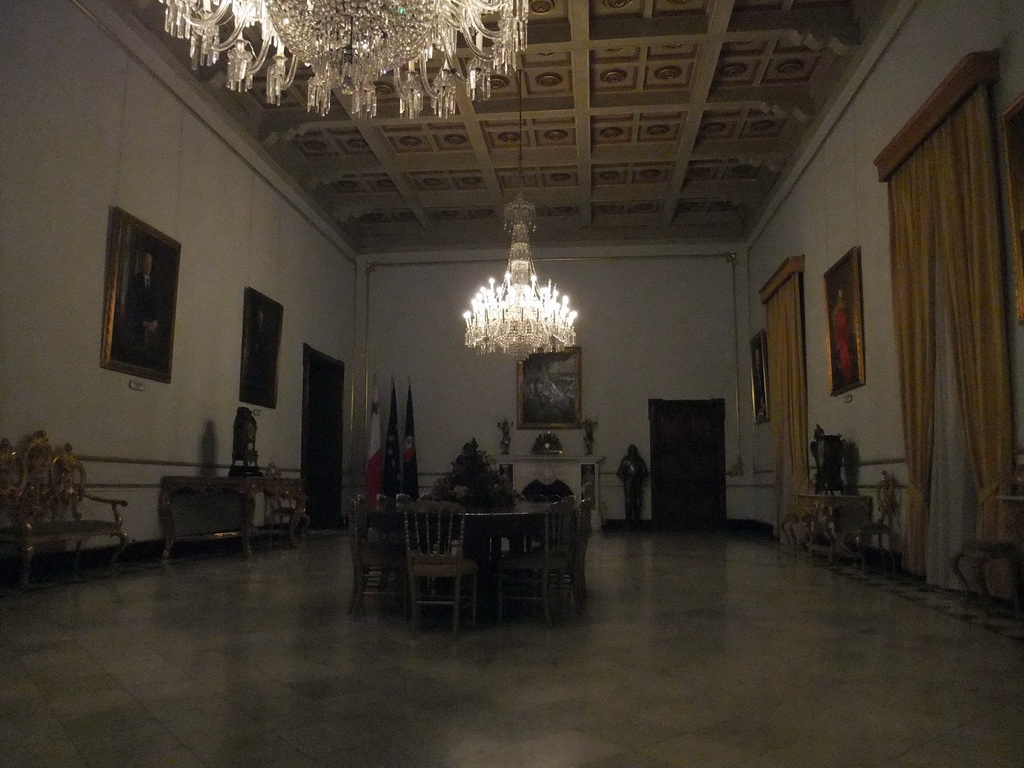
787, 391
912, 246
944, 214
969, 239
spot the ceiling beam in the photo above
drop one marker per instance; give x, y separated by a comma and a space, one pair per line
579, 22
719, 13
478, 143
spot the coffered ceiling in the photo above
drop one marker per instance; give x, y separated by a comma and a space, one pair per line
644, 121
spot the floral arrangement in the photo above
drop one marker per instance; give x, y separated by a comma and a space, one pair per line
474, 482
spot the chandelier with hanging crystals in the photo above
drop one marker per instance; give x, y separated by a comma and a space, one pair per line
351, 44
519, 317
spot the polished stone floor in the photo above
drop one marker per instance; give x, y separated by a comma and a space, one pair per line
708, 651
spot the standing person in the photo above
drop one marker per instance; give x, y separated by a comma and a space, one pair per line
142, 314
632, 472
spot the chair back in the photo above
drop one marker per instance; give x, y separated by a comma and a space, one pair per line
888, 499
357, 521
561, 527
585, 514
434, 530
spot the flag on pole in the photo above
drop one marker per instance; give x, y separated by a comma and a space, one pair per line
410, 474
374, 458
392, 462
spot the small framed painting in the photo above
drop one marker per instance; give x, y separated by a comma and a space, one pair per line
140, 298
844, 321
548, 390
759, 376
261, 340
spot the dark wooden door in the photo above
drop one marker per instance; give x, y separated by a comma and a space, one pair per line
323, 421
687, 464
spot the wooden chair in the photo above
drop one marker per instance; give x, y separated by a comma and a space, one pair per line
378, 563
578, 573
435, 559
532, 576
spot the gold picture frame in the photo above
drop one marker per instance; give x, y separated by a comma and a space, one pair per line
844, 323
548, 390
759, 376
1013, 146
140, 298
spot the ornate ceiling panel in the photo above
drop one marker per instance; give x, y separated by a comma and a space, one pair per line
643, 121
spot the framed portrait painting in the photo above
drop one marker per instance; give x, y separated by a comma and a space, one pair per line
759, 376
140, 298
844, 321
261, 341
548, 389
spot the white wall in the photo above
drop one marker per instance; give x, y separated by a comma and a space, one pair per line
85, 128
649, 327
838, 203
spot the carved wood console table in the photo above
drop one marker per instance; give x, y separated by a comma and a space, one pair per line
247, 489
831, 520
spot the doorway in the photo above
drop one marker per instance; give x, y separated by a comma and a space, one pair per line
323, 422
687, 464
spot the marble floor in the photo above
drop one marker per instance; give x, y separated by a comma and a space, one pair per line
703, 650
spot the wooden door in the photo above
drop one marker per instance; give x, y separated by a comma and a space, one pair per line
323, 421
687, 464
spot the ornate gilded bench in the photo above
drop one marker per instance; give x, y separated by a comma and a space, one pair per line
40, 493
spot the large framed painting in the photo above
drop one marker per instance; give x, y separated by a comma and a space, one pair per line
140, 298
845, 323
1013, 143
548, 390
261, 341
759, 376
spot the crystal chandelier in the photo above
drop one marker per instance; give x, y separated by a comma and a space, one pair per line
351, 44
519, 317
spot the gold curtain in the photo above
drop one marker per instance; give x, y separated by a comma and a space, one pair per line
967, 207
944, 214
787, 391
912, 247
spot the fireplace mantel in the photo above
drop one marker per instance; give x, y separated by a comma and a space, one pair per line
581, 472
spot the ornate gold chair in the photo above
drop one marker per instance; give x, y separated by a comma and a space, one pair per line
435, 559
880, 531
979, 553
378, 563
532, 576
281, 506
41, 492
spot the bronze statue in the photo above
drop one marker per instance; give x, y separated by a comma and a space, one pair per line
588, 436
632, 472
243, 446
506, 440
